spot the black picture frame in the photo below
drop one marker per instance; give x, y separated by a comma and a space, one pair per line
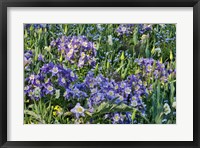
4, 4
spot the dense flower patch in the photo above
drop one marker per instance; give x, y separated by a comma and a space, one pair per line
104, 73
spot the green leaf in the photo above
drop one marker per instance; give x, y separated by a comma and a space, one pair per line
153, 50
34, 115
171, 55
133, 115
122, 56
107, 107
88, 113
118, 69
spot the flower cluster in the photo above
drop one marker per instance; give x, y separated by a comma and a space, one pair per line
164, 36
51, 78
76, 49
37, 26
129, 91
143, 28
155, 69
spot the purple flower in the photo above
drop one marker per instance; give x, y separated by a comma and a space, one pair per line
76, 49
26, 89
117, 118
120, 98
78, 110
122, 85
125, 29
54, 70
62, 81
49, 89
40, 57
143, 28
97, 98
148, 68
127, 90
111, 94
134, 103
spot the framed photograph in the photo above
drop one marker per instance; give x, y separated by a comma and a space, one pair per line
86, 73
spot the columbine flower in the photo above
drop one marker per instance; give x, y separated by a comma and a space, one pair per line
78, 110
148, 68
85, 44
54, 70
40, 57
70, 53
111, 93
116, 87
116, 118
68, 93
63, 80
156, 73
144, 28
122, 85
82, 55
32, 77
137, 87
49, 89
133, 98
81, 62
26, 89
30, 93
120, 98
167, 109
127, 90
125, 29
94, 90
91, 85
72, 74
97, 98
37, 82
37, 92
134, 103
27, 62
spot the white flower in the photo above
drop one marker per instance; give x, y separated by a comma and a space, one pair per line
134, 103
85, 44
49, 88
37, 91
174, 105
72, 74
111, 93
123, 29
32, 77
167, 109
127, 90
82, 55
63, 80
122, 85
57, 93
55, 70
70, 53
